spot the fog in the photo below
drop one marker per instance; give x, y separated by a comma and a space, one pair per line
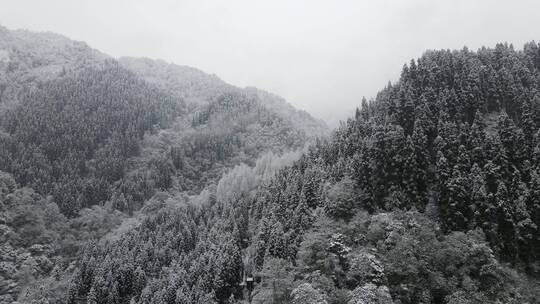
322, 56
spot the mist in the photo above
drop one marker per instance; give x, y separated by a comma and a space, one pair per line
322, 56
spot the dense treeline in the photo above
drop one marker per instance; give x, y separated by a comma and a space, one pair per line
428, 195
455, 138
195, 151
459, 131
71, 137
178, 253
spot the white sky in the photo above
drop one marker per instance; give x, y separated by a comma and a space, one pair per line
322, 56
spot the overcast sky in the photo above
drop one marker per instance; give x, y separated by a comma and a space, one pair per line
322, 56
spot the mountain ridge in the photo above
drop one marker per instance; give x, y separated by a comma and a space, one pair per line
209, 86
88, 147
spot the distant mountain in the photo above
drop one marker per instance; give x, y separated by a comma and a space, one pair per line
199, 88
189, 83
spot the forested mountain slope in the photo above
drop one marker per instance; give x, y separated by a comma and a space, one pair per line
233, 129
85, 143
430, 194
74, 120
72, 136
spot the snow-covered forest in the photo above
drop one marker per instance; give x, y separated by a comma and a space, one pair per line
134, 180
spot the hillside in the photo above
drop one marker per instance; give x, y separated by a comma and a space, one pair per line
85, 143
422, 197
68, 105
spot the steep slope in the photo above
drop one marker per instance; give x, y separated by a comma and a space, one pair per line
86, 142
420, 198
71, 137
75, 120
198, 148
426, 164
225, 126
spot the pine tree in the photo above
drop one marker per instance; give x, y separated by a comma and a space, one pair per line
506, 224
458, 213
406, 110
395, 144
365, 109
477, 139
512, 139
528, 125
410, 175
302, 217
421, 151
378, 166
277, 247
533, 207
479, 206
